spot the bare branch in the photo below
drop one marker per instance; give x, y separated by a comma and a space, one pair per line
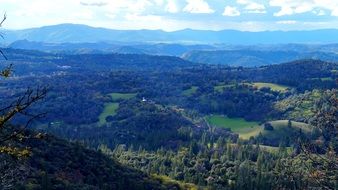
3, 20
19, 107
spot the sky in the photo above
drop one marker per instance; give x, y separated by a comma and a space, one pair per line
171, 15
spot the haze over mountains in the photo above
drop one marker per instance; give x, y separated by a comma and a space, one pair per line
227, 47
74, 33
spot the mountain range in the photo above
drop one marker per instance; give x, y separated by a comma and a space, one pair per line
74, 33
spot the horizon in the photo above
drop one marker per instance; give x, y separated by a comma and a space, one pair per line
175, 15
162, 30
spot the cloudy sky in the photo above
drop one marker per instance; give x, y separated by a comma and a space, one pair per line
169, 15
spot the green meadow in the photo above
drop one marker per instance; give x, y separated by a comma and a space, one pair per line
272, 86
245, 129
122, 96
190, 91
111, 108
221, 88
281, 129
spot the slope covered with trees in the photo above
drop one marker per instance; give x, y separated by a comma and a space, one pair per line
52, 163
159, 123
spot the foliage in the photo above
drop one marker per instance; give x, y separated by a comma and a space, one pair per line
57, 164
167, 135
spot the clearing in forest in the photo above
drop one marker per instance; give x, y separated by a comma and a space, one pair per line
122, 96
272, 86
111, 108
281, 130
245, 129
190, 91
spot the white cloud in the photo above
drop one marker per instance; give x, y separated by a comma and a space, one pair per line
198, 6
128, 6
154, 14
143, 18
334, 12
290, 7
97, 4
231, 11
319, 12
110, 15
84, 14
252, 7
287, 22
159, 2
171, 7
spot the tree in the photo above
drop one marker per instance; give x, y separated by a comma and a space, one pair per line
289, 123
321, 158
19, 107
268, 127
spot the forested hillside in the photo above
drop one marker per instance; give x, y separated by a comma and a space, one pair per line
159, 122
255, 57
51, 163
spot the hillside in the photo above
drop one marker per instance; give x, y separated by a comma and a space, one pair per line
169, 95
31, 61
176, 121
57, 164
253, 58
306, 74
169, 49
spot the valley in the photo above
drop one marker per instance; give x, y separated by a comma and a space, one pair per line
182, 124
169, 95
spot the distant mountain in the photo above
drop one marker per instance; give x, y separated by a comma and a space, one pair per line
74, 33
251, 58
30, 61
55, 47
128, 50
103, 47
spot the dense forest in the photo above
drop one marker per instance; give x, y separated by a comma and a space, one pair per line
133, 121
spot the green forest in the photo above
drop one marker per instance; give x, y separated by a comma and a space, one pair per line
156, 122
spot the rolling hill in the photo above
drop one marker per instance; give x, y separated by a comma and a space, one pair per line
252, 58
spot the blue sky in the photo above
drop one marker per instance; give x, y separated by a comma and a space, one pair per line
169, 15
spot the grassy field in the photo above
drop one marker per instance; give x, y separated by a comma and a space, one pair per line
281, 129
221, 88
190, 91
259, 85
281, 124
299, 125
272, 86
122, 96
109, 109
245, 129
